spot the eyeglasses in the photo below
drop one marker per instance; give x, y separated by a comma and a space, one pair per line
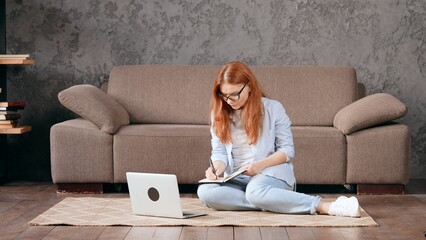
233, 97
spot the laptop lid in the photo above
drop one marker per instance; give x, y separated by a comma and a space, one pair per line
155, 195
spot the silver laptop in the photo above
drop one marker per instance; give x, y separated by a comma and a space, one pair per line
156, 195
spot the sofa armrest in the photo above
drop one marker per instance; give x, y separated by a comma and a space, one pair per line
94, 105
369, 111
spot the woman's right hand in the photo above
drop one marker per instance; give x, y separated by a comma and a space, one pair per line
220, 168
210, 174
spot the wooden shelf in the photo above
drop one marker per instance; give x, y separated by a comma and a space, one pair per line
15, 130
17, 61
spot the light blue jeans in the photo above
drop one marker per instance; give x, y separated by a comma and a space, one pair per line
259, 192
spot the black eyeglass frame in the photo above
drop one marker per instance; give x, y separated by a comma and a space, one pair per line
237, 95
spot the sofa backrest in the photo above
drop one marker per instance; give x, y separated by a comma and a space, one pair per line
180, 94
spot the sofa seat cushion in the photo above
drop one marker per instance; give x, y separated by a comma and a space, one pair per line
320, 155
178, 149
80, 153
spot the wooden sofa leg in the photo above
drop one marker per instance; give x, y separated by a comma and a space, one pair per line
80, 188
372, 189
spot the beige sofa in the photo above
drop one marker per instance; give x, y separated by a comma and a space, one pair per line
154, 118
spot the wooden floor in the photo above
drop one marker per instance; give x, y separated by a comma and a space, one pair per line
399, 217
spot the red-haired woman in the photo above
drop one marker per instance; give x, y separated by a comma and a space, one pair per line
250, 130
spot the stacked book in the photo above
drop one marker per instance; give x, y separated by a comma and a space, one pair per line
14, 56
9, 115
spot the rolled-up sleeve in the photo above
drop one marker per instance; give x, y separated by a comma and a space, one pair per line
283, 135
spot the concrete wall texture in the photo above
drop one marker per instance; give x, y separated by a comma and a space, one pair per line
79, 41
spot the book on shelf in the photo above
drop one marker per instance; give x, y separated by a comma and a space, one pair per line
14, 56
7, 112
12, 104
12, 116
11, 109
5, 122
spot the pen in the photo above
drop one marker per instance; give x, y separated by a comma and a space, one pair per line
211, 165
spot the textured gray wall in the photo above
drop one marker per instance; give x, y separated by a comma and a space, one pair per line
79, 41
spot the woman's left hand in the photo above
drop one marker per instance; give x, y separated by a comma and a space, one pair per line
253, 169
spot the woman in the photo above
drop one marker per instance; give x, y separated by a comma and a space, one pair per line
250, 130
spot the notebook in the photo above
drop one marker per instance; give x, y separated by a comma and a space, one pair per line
224, 179
157, 195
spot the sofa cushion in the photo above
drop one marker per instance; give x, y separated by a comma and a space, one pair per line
167, 94
178, 149
94, 105
369, 111
320, 155
311, 95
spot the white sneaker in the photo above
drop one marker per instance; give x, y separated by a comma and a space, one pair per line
345, 207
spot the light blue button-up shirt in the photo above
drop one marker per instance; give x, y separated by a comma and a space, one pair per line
276, 136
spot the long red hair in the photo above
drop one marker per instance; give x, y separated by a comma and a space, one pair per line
237, 73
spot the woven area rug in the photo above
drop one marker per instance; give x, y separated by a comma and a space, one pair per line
87, 211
